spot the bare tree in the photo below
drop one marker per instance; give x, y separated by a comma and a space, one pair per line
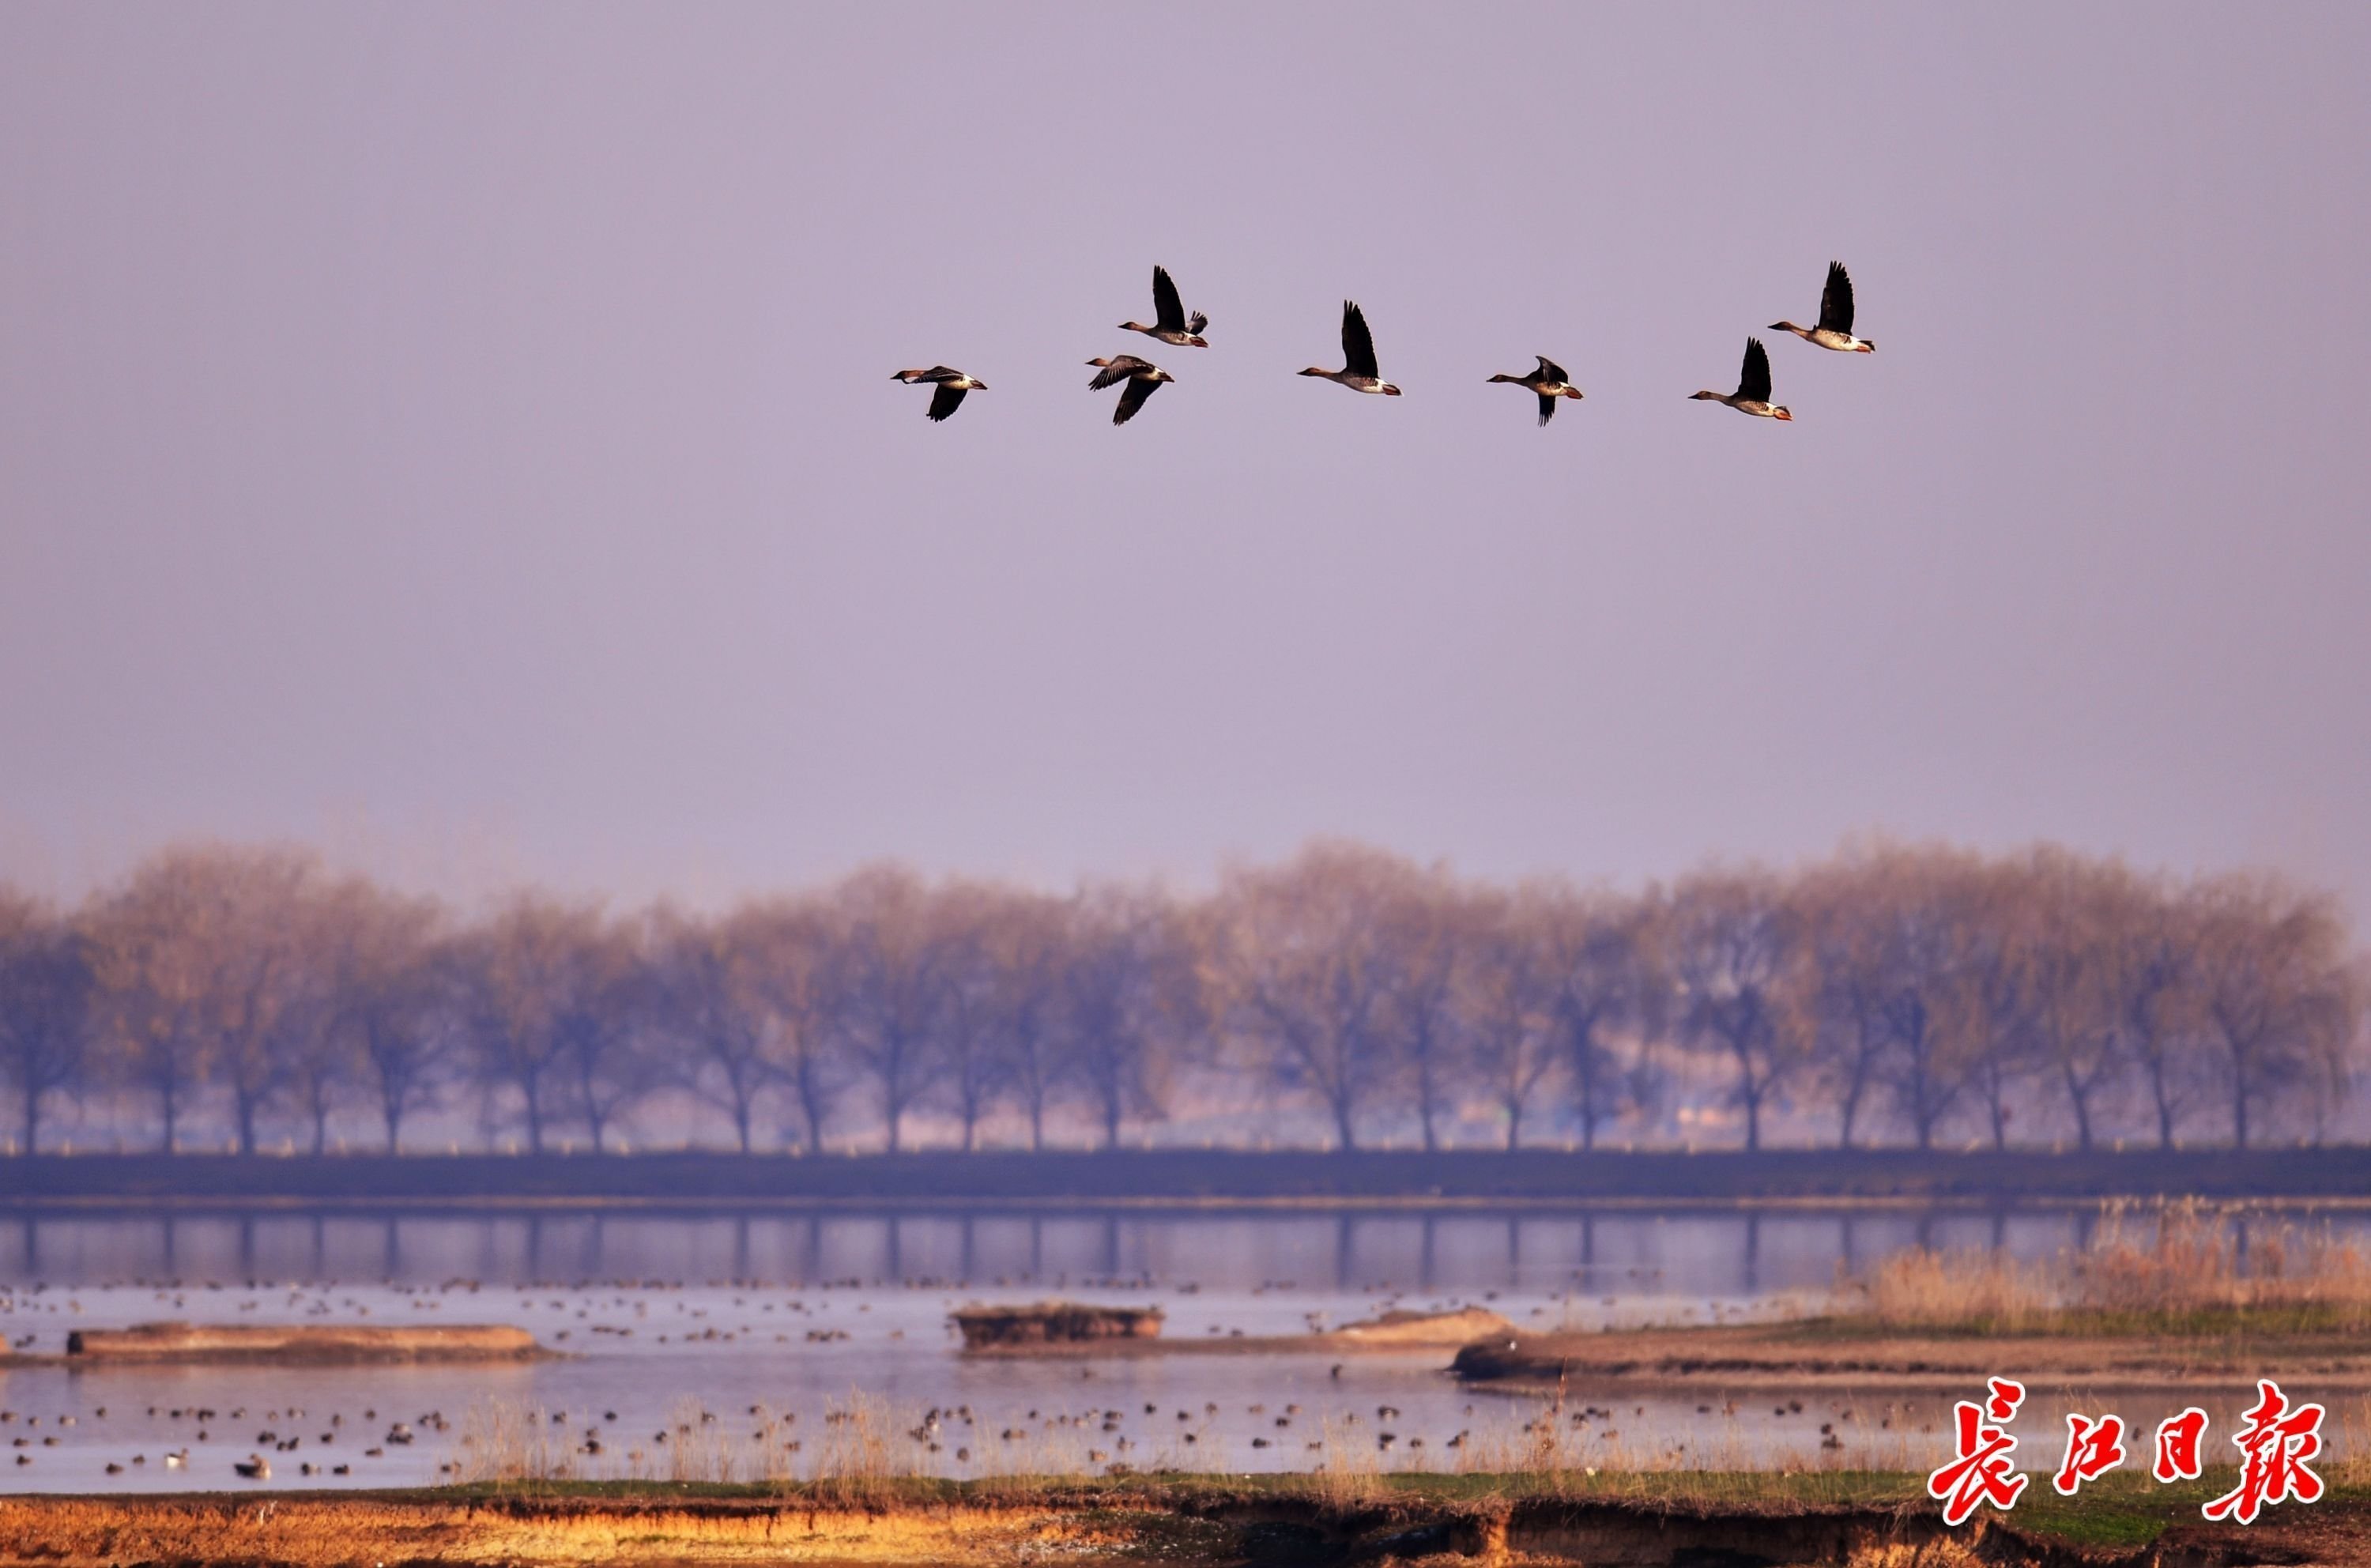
195, 958
1733, 937
529, 973
263, 976
1309, 977
1996, 995
318, 1059
716, 1005
791, 946
971, 1026
1933, 1027
610, 1028
885, 985
1029, 955
2277, 986
1131, 992
1426, 924
1604, 978
399, 999
2150, 951
2070, 973
45, 990
1508, 983
1844, 987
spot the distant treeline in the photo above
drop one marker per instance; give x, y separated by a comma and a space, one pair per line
1893, 994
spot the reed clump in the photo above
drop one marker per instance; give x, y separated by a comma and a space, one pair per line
1926, 1289
504, 1443
1351, 1473
863, 1454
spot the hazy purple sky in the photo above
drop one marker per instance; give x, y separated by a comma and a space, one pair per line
462, 436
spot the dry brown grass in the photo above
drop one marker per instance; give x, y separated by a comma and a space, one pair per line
1351, 1472
2174, 1268
863, 1453
862, 1447
506, 1443
1919, 1288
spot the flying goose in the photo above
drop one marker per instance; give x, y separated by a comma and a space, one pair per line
1143, 378
1358, 371
952, 384
1170, 323
1834, 331
1549, 381
1753, 395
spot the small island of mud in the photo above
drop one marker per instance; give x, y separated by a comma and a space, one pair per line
1046, 1323
294, 1344
1070, 1328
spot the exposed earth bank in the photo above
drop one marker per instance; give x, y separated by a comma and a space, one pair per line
1181, 1521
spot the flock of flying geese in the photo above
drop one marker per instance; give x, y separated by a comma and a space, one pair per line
1361, 371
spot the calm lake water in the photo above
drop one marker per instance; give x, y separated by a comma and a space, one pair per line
669, 1316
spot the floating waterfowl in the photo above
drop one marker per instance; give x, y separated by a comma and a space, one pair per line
1549, 381
1170, 323
1753, 395
255, 1466
1143, 378
952, 384
1358, 372
1834, 331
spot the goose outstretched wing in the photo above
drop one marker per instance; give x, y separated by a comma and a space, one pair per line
1357, 343
1754, 385
1138, 389
1168, 310
1117, 371
1836, 301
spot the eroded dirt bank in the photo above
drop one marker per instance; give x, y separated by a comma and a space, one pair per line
1196, 1523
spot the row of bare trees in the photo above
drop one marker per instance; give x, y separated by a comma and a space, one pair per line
1893, 991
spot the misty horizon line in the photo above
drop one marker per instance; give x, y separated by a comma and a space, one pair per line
493, 893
